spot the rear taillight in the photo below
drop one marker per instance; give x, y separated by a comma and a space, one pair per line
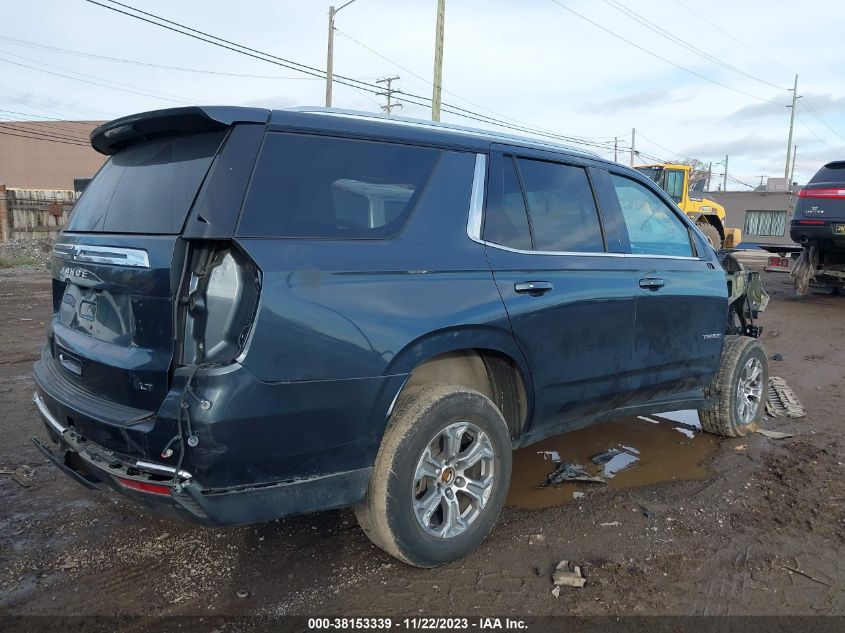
217, 304
822, 193
144, 486
812, 222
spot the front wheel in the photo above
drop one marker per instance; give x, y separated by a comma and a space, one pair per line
440, 478
738, 390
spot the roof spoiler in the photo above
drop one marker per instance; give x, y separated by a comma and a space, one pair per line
113, 136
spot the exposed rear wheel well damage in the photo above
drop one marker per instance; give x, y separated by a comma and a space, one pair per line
489, 372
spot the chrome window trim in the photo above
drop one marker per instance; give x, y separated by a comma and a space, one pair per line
476, 199
112, 255
588, 254
476, 213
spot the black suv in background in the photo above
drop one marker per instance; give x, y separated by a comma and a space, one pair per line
819, 216
818, 224
258, 314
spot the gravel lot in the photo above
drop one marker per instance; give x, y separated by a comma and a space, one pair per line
702, 525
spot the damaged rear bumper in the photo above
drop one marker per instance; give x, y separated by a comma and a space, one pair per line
163, 489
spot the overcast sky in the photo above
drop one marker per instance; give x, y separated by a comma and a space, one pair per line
532, 61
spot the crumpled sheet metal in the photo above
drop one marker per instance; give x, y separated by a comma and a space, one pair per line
782, 401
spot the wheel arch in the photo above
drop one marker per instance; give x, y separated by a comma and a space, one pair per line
467, 356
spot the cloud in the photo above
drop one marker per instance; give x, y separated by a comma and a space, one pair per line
821, 103
274, 102
757, 111
633, 102
751, 145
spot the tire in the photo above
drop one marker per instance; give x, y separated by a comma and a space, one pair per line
405, 485
742, 359
711, 233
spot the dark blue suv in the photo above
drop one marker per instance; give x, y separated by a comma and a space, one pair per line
260, 314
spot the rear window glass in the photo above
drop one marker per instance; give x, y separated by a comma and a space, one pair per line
322, 187
832, 172
147, 188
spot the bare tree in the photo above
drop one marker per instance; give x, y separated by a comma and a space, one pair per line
699, 173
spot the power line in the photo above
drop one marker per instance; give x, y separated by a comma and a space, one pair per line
49, 140
353, 83
93, 83
655, 55
67, 51
52, 120
28, 129
388, 93
39, 128
736, 39
684, 44
813, 112
656, 144
810, 130
428, 84
17, 97
222, 43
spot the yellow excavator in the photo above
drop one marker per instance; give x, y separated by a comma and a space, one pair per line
708, 215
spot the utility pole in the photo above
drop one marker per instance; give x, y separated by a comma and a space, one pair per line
615, 148
388, 93
330, 52
330, 58
633, 143
709, 174
438, 61
792, 169
725, 177
791, 124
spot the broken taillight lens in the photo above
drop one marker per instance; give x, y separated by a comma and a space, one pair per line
218, 304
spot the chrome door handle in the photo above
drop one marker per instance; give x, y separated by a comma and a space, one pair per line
533, 287
651, 283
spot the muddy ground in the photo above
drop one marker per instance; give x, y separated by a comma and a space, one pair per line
700, 525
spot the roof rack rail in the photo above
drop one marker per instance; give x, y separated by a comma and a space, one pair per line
448, 127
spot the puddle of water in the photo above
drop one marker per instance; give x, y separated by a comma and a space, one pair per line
688, 417
646, 450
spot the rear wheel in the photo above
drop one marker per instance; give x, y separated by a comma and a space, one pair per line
440, 478
711, 233
738, 390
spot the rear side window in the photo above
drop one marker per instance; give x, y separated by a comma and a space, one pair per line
561, 207
653, 228
324, 187
508, 224
832, 172
147, 188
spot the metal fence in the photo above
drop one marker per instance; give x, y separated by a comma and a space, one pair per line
34, 214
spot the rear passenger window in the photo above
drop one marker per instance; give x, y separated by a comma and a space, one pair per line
323, 187
508, 224
561, 207
653, 228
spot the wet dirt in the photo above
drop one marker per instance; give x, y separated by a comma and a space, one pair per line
699, 525
651, 449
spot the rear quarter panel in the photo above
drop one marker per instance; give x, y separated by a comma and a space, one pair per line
348, 309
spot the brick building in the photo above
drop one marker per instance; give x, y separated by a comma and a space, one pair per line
46, 154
